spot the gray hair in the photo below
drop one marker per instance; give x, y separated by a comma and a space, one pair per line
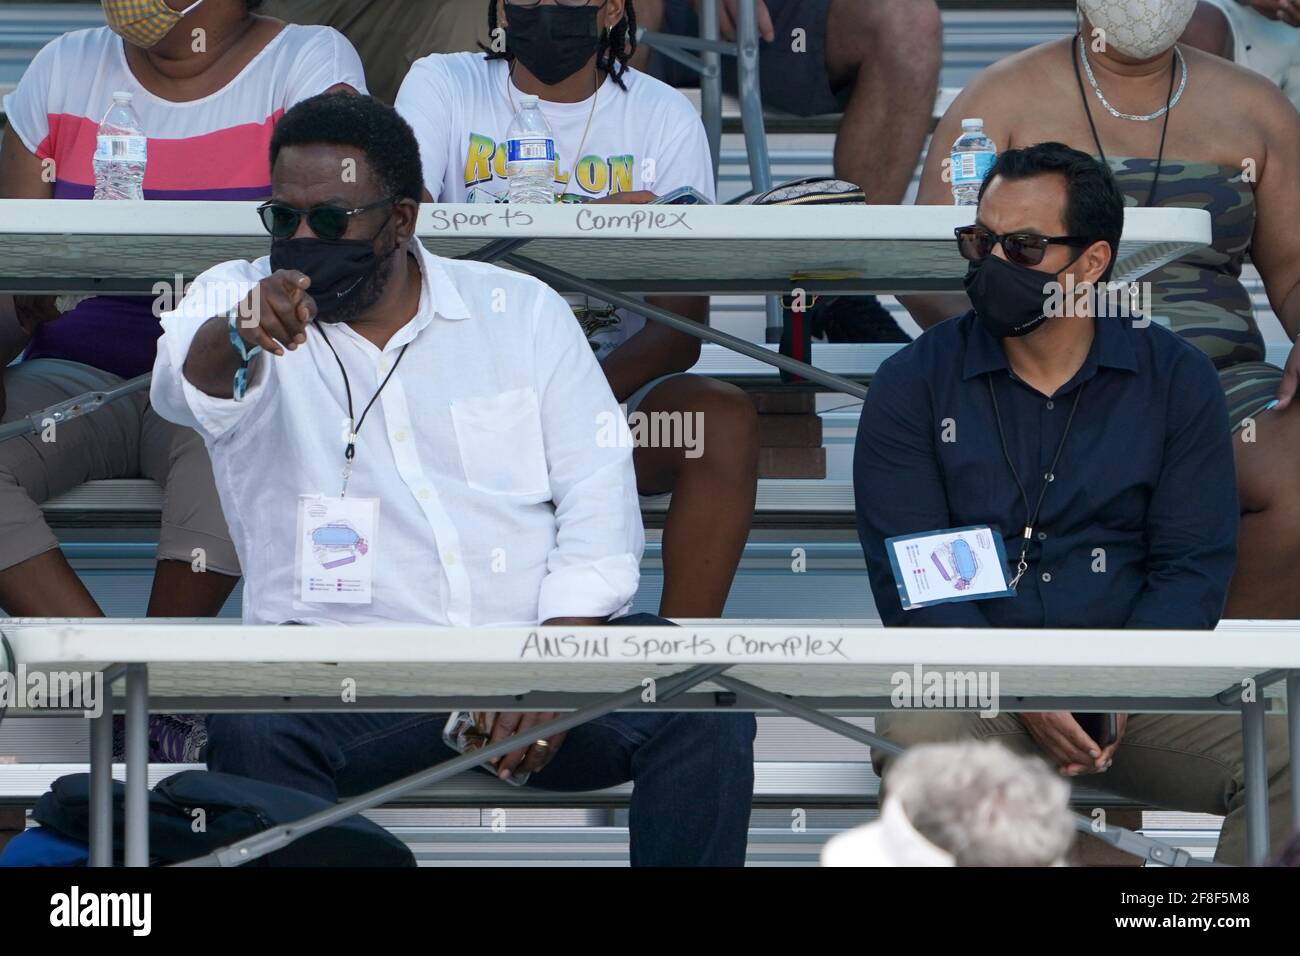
983, 804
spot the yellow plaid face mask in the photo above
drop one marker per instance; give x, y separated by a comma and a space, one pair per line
143, 23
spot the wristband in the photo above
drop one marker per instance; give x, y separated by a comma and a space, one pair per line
245, 353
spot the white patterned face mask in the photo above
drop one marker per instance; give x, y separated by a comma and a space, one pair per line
1141, 29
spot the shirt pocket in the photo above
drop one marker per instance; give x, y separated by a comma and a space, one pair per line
499, 438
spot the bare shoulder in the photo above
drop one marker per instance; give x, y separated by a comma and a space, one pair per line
1237, 89
1003, 81
1001, 92
997, 95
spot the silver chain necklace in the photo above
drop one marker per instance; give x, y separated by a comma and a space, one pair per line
595, 98
1083, 55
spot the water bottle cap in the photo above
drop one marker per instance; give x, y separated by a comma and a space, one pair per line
528, 99
974, 123
122, 97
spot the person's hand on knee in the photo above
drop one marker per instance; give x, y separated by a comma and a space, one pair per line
1108, 752
528, 759
1064, 742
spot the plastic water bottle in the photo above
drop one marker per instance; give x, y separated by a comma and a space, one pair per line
972, 157
530, 155
121, 152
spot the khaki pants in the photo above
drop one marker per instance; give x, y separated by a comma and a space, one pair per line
1187, 762
390, 35
126, 439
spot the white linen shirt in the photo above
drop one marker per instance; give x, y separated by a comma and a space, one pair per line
506, 490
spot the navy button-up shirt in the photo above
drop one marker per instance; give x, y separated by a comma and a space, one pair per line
1138, 527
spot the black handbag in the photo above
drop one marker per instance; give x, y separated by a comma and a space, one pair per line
797, 318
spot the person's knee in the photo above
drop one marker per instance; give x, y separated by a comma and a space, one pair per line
740, 728
650, 14
242, 743
917, 20
728, 737
731, 737
8, 473
727, 427
231, 734
24, 533
1267, 465
641, 619
908, 31
913, 729
194, 529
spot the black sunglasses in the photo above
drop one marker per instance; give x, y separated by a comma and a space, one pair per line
327, 222
1023, 248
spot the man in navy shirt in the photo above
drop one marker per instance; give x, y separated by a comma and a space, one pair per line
1095, 446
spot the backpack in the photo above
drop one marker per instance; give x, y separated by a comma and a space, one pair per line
39, 846
232, 808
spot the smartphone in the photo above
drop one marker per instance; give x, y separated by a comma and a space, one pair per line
470, 730
1102, 728
684, 196
478, 194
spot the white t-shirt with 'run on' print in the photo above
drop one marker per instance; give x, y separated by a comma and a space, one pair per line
646, 137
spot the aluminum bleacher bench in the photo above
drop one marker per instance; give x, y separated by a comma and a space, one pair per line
108, 531
135, 502
26, 27
792, 783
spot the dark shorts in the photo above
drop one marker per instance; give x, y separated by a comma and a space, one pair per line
792, 81
1248, 387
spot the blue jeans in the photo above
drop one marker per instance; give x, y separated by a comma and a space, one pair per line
692, 774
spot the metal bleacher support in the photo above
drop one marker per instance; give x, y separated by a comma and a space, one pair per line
745, 49
708, 64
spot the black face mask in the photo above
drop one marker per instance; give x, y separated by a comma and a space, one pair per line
552, 42
341, 271
1009, 299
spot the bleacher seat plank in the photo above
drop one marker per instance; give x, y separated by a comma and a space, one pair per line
118, 501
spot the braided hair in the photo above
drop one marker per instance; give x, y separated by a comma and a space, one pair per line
616, 45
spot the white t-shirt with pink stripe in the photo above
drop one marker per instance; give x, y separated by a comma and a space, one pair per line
217, 147
211, 148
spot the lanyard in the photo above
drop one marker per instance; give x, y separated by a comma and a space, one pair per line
1164, 127
354, 424
1031, 519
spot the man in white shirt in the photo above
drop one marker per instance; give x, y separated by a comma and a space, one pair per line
620, 136
404, 449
